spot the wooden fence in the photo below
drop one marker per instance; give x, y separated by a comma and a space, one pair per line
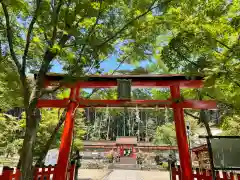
204, 174
45, 173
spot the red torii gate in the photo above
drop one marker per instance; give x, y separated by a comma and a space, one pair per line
174, 82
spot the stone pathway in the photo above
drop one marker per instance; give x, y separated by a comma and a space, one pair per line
124, 175
93, 174
137, 175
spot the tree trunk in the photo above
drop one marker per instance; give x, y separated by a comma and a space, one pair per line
204, 120
133, 124
146, 127
27, 170
76, 173
73, 138
100, 126
139, 125
117, 128
124, 121
129, 125
209, 133
108, 127
87, 137
51, 139
95, 124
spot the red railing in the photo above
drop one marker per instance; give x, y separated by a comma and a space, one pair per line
204, 174
45, 173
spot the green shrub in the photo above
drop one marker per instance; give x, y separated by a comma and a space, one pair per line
164, 165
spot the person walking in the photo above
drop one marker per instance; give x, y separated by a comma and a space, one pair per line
171, 163
77, 159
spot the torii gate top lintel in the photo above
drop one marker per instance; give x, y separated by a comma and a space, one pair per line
108, 81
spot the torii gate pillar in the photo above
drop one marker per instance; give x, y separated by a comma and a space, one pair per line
66, 139
185, 160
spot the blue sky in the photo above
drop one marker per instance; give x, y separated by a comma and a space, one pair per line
109, 64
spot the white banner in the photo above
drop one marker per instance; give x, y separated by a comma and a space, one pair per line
51, 157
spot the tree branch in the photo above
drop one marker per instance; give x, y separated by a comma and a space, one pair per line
55, 21
80, 20
189, 114
121, 62
48, 57
50, 91
89, 34
10, 37
0, 49
52, 137
28, 39
129, 23
95, 90
223, 44
67, 14
182, 56
63, 40
92, 65
46, 38
22, 74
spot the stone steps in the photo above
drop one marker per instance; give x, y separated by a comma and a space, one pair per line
124, 166
127, 160
127, 163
